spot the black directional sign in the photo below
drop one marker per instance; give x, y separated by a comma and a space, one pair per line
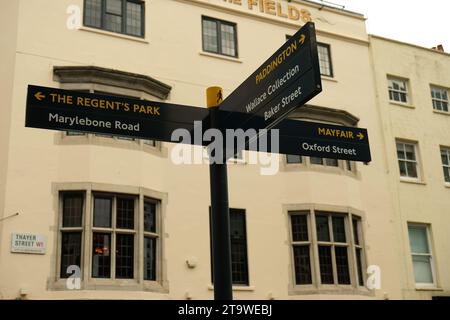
57, 109
321, 140
287, 80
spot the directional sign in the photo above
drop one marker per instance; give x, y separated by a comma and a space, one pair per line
57, 109
287, 80
320, 140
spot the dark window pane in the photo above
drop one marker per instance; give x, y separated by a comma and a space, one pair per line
149, 216
342, 265
134, 19
149, 258
93, 13
227, 37
124, 256
72, 210
302, 265
70, 251
114, 7
315, 160
355, 231
332, 162
102, 212
359, 266
210, 37
113, 23
125, 213
239, 265
326, 267
299, 228
339, 229
101, 255
290, 158
323, 232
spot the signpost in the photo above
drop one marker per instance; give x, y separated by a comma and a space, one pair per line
286, 81
305, 138
57, 109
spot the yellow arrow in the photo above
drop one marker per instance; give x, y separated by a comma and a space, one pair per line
360, 136
302, 39
39, 96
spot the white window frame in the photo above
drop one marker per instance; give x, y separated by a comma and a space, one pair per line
441, 100
401, 82
427, 228
417, 162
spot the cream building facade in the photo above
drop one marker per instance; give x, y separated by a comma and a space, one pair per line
137, 225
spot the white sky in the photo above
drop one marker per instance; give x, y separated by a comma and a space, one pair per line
425, 23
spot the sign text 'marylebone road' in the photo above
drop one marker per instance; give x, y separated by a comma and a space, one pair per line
58, 109
287, 80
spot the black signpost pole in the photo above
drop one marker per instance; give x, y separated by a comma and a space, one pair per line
220, 217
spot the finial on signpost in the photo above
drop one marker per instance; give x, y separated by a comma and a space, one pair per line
214, 97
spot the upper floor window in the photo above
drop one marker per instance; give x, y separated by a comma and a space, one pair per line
121, 16
439, 96
422, 257
407, 160
398, 90
336, 242
219, 37
445, 155
326, 68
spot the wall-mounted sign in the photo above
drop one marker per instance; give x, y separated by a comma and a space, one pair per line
27, 243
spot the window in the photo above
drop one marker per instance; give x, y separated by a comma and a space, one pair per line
398, 90
115, 234
439, 96
238, 241
120, 16
407, 160
421, 254
445, 156
326, 68
324, 162
219, 37
331, 242
291, 159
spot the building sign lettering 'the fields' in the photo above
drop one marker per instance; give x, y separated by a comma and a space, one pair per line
276, 8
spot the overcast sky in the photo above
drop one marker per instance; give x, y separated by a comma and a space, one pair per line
425, 23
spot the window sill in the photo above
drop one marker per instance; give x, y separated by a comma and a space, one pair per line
428, 289
331, 290
110, 285
236, 288
400, 104
219, 56
113, 34
445, 113
328, 79
447, 185
413, 181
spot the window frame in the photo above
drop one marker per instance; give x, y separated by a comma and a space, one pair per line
327, 47
427, 228
348, 215
88, 282
445, 167
391, 89
417, 162
124, 18
440, 100
219, 22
